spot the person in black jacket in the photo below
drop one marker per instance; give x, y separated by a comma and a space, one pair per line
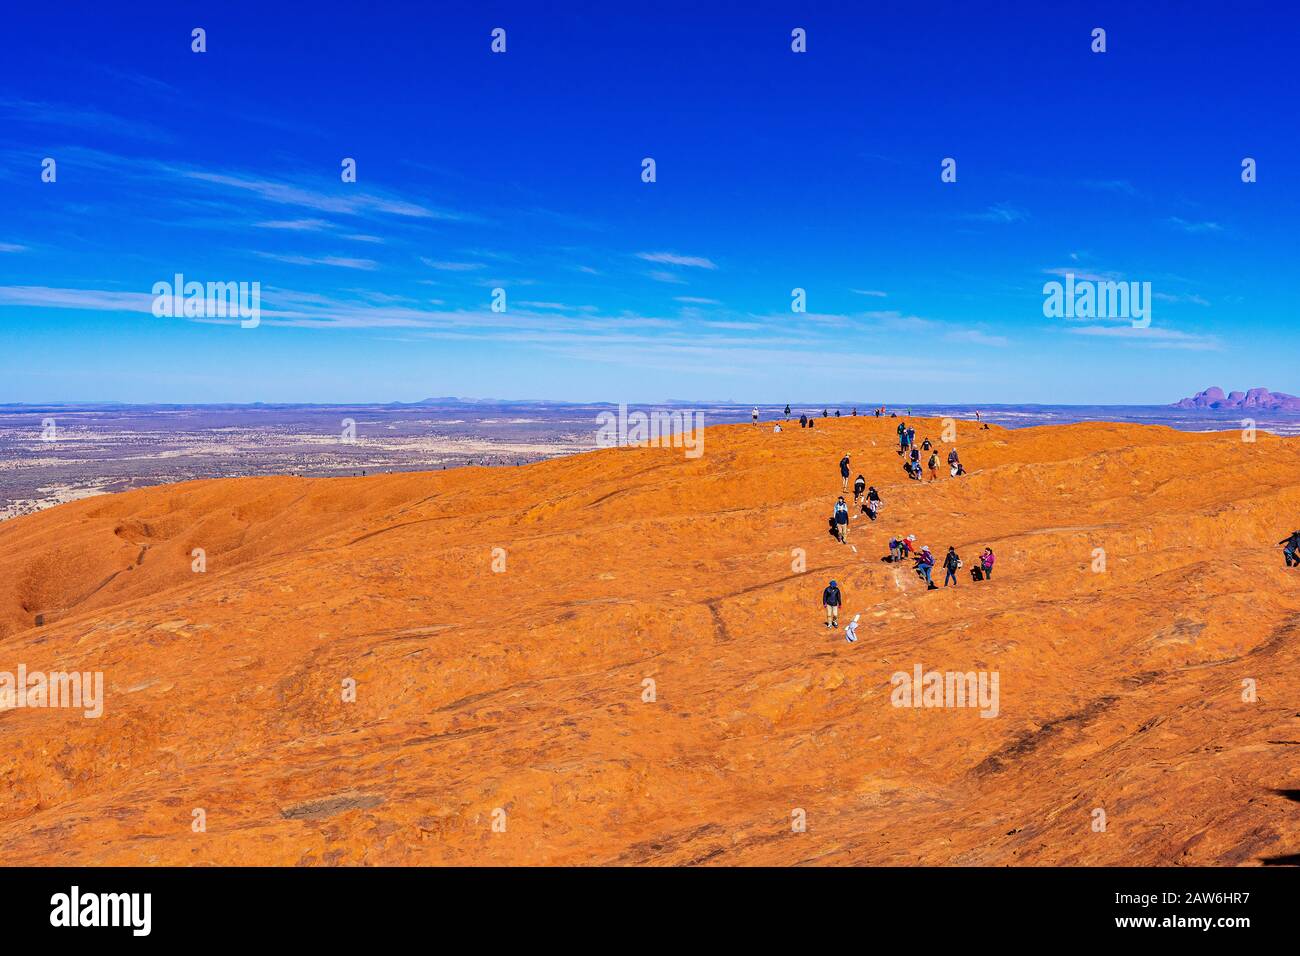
831, 600
1292, 550
951, 562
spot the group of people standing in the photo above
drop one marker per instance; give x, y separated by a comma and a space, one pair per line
901, 548
911, 454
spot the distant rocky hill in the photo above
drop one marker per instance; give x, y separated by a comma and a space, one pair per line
1213, 397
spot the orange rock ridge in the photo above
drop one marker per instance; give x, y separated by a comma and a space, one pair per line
523, 691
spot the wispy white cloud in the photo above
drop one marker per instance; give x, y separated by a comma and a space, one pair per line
344, 202
1193, 299
976, 337
343, 262
695, 300
1195, 228
875, 293
672, 278
443, 266
1084, 275
998, 213
1152, 337
295, 225
14, 110
11, 247
673, 259
1122, 186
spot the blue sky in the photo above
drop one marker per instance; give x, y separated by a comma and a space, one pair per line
522, 170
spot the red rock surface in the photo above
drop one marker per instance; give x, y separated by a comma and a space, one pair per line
522, 691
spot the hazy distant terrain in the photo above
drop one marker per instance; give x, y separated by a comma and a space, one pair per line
96, 449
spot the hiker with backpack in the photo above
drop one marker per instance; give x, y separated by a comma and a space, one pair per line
934, 465
951, 562
954, 463
859, 483
925, 565
842, 520
831, 600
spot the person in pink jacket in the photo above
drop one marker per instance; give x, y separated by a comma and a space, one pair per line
986, 563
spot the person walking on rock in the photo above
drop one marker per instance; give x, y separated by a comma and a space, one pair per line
831, 600
844, 472
842, 520
951, 562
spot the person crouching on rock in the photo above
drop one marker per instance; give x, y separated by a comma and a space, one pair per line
925, 565
1292, 550
859, 485
831, 600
